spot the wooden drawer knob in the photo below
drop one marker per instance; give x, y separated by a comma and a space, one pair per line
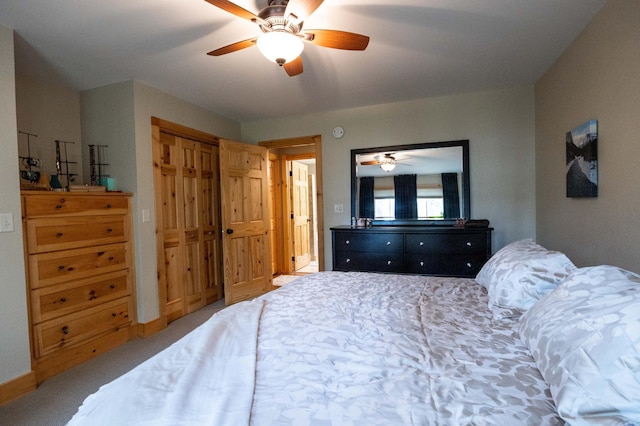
109, 230
59, 234
108, 206
112, 286
63, 299
65, 330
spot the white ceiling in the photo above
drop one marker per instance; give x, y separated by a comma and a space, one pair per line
418, 49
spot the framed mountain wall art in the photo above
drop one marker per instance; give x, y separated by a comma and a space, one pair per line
582, 160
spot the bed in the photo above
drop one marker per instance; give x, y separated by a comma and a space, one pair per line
349, 348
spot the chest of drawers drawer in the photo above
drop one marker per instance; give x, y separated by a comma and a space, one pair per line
57, 267
71, 232
61, 299
369, 242
68, 330
446, 243
48, 205
360, 261
455, 265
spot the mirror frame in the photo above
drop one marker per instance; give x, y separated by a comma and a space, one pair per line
466, 184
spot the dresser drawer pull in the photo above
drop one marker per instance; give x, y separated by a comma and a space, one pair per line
63, 299
108, 206
59, 234
421, 243
388, 243
347, 242
110, 258
112, 286
468, 243
65, 330
468, 264
421, 263
113, 314
109, 230
348, 260
92, 293
388, 262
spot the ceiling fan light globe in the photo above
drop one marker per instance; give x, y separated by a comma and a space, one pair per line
280, 46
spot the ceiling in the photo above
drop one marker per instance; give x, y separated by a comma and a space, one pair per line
418, 49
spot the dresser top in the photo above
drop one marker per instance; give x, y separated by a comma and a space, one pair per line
412, 229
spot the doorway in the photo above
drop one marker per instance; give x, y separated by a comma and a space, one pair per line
295, 169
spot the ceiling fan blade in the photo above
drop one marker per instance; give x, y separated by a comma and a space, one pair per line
301, 8
294, 67
337, 39
234, 47
234, 9
369, 163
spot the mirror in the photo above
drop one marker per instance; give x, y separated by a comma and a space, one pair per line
426, 184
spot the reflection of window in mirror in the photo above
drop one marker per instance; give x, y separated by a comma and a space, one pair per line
430, 200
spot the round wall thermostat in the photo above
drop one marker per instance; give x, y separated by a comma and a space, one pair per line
338, 132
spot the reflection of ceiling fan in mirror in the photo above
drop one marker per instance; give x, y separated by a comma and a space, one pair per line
386, 161
282, 39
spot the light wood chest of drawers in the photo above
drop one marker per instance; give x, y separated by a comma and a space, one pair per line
80, 276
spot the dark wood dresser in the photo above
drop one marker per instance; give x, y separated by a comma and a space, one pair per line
425, 250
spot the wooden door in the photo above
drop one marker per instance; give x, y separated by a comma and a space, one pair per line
245, 220
275, 209
300, 214
191, 238
210, 210
166, 159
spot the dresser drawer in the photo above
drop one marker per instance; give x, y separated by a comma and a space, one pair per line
457, 265
69, 204
360, 261
446, 243
81, 326
369, 242
71, 232
58, 267
61, 299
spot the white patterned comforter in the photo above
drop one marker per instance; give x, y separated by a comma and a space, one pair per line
342, 349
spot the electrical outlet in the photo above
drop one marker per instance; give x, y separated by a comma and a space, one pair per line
6, 222
146, 217
338, 208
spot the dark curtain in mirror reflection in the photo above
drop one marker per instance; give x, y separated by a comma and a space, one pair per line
367, 197
406, 195
450, 195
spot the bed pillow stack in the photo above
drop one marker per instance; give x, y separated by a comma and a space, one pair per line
585, 339
520, 274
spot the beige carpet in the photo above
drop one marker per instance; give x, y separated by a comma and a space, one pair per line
281, 280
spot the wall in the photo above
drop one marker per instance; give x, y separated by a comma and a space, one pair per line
15, 359
51, 110
499, 125
120, 116
595, 78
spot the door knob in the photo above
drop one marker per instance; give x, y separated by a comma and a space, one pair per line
229, 231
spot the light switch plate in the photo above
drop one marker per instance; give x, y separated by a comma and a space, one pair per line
6, 222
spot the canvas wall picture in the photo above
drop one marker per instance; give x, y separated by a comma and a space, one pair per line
582, 160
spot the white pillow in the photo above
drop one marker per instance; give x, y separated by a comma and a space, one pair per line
585, 339
520, 274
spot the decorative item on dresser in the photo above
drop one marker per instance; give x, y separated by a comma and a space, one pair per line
80, 276
425, 250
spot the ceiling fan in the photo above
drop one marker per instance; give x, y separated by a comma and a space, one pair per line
282, 39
